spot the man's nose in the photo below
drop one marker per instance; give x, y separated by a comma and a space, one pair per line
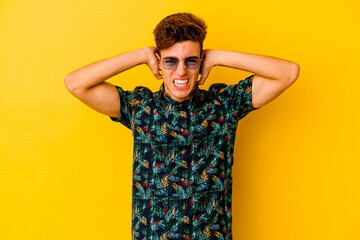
181, 68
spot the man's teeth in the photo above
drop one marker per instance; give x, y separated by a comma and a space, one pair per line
180, 82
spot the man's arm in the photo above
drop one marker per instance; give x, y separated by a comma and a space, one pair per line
272, 75
89, 86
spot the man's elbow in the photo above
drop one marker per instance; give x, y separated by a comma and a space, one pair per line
70, 84
293, 72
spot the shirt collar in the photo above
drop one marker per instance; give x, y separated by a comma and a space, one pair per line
163, 97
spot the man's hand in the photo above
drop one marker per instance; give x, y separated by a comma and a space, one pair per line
152, 61
208, 63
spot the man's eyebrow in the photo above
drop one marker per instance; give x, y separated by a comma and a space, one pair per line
185, 58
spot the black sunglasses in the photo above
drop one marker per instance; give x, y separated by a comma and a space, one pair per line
171, 63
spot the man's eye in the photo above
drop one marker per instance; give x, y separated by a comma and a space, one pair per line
170, 60
192, 60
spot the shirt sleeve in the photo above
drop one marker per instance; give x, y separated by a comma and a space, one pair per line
125, 108
238, 98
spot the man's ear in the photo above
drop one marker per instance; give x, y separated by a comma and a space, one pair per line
159, 60
203, 58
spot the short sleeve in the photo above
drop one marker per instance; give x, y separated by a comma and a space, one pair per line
125, 107
238, 98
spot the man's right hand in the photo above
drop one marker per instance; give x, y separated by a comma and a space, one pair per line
153, 62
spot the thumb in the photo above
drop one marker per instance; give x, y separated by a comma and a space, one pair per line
158, 76
156, 72
202, 79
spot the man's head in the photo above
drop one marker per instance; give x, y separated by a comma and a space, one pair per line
179, 27
179, 40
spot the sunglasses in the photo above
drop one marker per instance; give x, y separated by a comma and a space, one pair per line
171, 63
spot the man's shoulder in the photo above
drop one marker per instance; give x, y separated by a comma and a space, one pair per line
215, 88
142, 89
141, 92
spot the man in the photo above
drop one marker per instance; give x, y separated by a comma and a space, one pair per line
183, 135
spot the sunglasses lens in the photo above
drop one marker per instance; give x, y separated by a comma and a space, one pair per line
193, 63
170, 63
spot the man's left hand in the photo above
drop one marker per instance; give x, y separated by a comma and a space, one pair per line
207, 64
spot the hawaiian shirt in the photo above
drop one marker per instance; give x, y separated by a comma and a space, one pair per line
182, 159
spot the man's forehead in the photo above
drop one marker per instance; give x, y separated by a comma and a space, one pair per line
182, 49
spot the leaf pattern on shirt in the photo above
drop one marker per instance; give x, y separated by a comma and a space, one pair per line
183, 157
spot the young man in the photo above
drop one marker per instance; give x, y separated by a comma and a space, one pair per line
183, 135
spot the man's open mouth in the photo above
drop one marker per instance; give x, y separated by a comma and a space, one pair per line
181, 83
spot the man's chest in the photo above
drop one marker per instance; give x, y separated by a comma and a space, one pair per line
172, 125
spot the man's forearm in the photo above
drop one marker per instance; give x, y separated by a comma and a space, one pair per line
97, 72
265, 66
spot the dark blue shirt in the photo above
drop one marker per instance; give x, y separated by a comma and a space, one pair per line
183, 157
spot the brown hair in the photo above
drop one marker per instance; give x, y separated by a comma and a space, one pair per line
179, 27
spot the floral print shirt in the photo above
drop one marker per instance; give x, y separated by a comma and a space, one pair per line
182, 159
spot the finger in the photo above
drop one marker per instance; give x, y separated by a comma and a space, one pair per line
157, 74
202, 79
204, 75
155, 70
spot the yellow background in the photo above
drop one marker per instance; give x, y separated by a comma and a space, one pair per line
66, 170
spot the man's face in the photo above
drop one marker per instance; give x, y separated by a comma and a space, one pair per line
180, 83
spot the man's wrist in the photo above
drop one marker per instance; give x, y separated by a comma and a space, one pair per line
146, 53
213, 57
